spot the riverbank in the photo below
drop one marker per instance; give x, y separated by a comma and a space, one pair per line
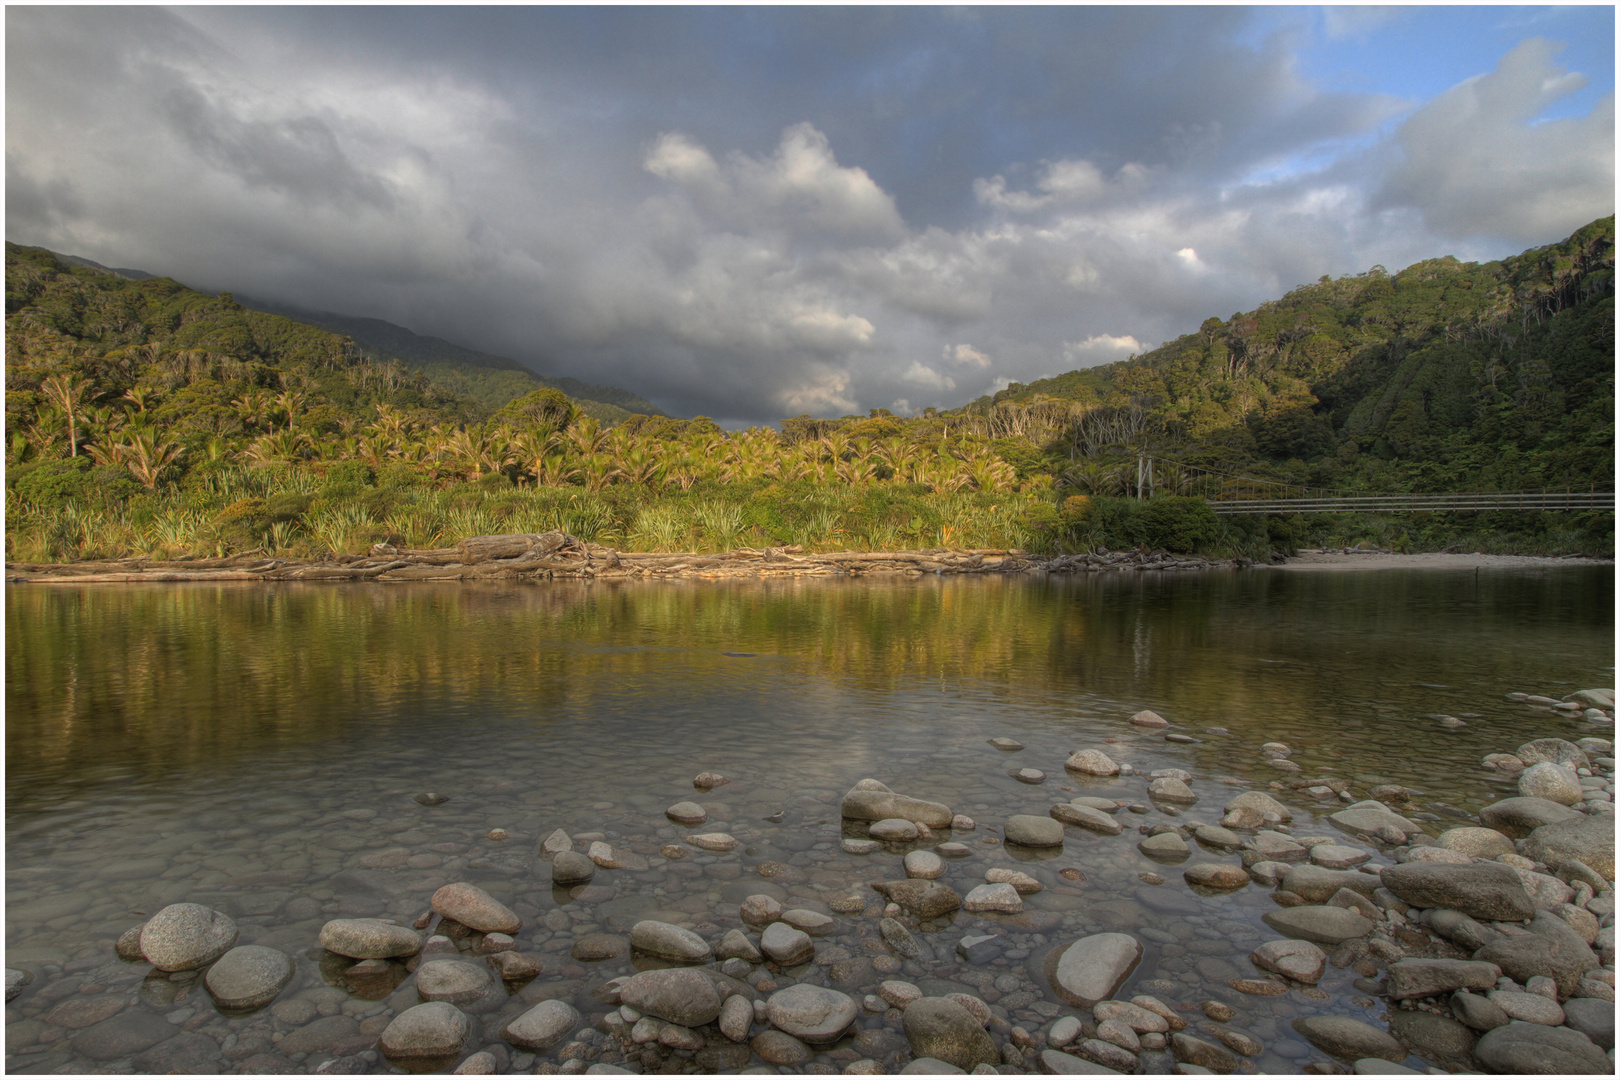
550, 555
1351, 559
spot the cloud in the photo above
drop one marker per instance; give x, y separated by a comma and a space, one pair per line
751, 214
801, 187
1477, 161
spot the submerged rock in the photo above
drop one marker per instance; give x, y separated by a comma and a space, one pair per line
249, 976
435, 1029
1092, 968
471, 906
939, 1028
876, 804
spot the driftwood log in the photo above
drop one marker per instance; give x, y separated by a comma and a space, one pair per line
553, 555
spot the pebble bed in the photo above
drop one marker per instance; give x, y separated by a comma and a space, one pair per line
1012, 909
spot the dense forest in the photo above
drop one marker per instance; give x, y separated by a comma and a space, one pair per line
144, 418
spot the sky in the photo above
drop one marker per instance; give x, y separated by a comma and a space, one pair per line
750, 213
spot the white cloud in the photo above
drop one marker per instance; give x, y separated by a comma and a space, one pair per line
1100, 349
1061, 183
801, 187
924, 375
964, 353
1478, 162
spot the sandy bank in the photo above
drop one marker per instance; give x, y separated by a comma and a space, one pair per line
1374, 560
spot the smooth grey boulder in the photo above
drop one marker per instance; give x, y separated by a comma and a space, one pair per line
1031, 831
455, 981
249, 976
1551, 781
684, 996
1092, 968
1320, 923
369, 939
542, 1027
938, 1027
1592, 1017
1091, 763
1166, 845
1427, 1033
1373, 817
814, 1014
1169, 789
1520, 816
1552, 948
1521, 1048
1086, 817
182, 937
1586, 837
1317, 884
1412, 978
431, 1030
571, 868
1057, 1063
1459, 928
1347, 1039
670, 942
787, 945
1478, 1012
878, 802
471, 906
1474, 841
1482, 890
1297, 960
1558, 751
923, 898
1259, 804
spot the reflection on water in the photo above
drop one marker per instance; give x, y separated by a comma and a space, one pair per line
255, 748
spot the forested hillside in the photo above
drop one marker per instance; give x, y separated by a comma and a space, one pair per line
1444, 376
144, 417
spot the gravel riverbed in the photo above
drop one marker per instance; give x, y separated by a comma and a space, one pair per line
1099, 912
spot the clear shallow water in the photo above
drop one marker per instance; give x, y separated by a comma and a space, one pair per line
256, 749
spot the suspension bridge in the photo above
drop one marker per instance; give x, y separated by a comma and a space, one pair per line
1233, 493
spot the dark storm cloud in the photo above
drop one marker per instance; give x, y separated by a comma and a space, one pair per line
753, 212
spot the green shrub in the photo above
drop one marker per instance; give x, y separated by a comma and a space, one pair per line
287, 506
399, 474
51, 485
351, 474
1175, 523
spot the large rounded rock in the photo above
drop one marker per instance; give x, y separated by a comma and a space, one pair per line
1418, 977
877, 802
435, 1029
670, 942
542, 1027
687, 813
1169, 789
1086, 817
1552, 948
249, 976
1476, 842
1347, 1039
812, 1013
186, 936
1216, 875
940, 1028
1320, 923
999, 897
924, 899
455, 981
471, 906
1373, 817
1032, 831
1092, 968
1318, 884
1297, 960
1430, 1034
571, 868
1521, 1048
1256, 805
1091, 763
369, 939
1481, 890
1149, 718
787, 945
683, 996
1558, 751
1550, 781
1589, 838
1592, 1017
1520, 817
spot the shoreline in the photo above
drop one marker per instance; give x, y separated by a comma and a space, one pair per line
553, 555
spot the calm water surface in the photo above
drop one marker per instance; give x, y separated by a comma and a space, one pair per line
257, 748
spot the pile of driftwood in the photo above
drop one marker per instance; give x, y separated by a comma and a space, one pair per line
557, 555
